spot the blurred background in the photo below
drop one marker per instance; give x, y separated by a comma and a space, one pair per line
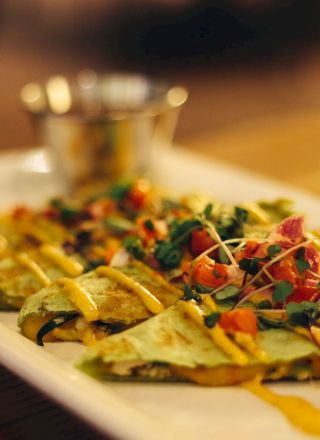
252, 67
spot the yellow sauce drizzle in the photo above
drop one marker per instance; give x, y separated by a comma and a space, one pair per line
81, 299
247, 342
149, 300
217, 334
315, 331
56, 255
3, 244
298, 411
26, 261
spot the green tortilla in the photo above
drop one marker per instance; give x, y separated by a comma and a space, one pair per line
116, 303
171, 342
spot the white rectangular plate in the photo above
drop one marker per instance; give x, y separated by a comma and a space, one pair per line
149, 411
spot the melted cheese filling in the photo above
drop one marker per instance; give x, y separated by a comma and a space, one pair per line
67, 264
81, 299
149, 300
26, 261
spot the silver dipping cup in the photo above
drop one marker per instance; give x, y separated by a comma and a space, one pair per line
99, 127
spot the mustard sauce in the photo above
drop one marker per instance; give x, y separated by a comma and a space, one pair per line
81, 299
149, 300
298, 411
56, 255
217, 334
3, 243
27, 262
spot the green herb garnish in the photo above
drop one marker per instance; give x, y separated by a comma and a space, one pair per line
250, 265
148, 224
119, 191
180, 230
304, 313
134, 247
265, 323
202, 289
227, 292
207, 212
118, 224
264, 305
273, 250
301, 264
281, 292
241, 214
222, 256
189, 295
211, 320
168, 254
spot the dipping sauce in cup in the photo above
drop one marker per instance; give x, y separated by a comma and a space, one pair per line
100, 127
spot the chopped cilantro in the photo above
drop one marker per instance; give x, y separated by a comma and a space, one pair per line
119, 191
93, 264
265, 323
273, 250
202, 289
300, 261
134, 247
188, 294
227, 292
118, 224
222, 256
207, 212
180, 230
168, 254
250, 265
265, 304
67, 212
211, 320
148, 224
282, 290
241, 214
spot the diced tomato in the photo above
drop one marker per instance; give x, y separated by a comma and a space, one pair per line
239, 320
209, 273
286, 270
21, 212
302, 293
200, 241
151, 229
248, 251
100, 208
139, 194
112, 246
51, 214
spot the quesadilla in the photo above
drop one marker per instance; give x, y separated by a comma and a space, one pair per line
173, 347
96, 304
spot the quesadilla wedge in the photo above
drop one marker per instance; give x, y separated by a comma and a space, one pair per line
98, 303
173, 347
24, 273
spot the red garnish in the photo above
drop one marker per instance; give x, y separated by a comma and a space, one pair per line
209, 273
200, 241
239, 320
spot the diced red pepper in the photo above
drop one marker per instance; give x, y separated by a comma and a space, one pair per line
200, 241
209, 273
239, 320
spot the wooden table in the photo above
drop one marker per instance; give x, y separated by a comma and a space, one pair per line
285, 146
